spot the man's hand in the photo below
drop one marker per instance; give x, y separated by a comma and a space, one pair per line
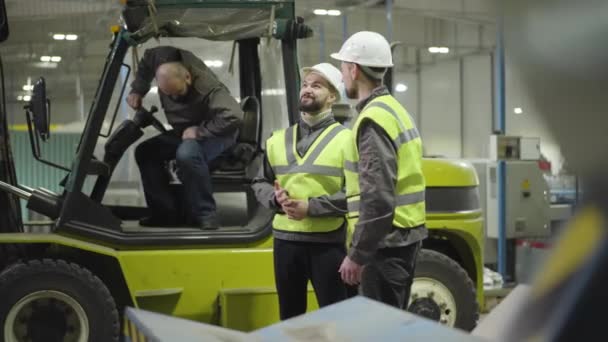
191, 133
280, 194
134, 100
296, 209
350, 271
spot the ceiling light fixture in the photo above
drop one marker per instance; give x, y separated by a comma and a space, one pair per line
71, 36
518, 110
437, 49
331, 12
45, 58
214, 63
400, 87
56, 59
273, 92
28, 87
59, 36
27, 98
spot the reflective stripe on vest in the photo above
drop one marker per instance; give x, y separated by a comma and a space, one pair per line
319, 172
406, 135
387, 113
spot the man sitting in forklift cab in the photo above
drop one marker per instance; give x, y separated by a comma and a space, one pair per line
205, 120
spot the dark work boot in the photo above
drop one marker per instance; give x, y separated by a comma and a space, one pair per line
207, 223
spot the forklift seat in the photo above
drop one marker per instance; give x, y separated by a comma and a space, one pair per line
234, 162
233, 167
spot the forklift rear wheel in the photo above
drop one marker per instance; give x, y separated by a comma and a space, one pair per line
52, 300
442, 291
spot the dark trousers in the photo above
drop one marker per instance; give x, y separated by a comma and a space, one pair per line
295, 263
388, 277
193, 157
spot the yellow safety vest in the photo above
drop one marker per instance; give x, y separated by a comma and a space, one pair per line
388, 113
319, 172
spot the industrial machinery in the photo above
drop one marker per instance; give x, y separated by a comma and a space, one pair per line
73, 283
515, 197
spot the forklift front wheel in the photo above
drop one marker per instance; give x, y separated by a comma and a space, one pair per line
442, 291
52, 300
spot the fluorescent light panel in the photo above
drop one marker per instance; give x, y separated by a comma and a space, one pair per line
439, 49
400, 87
214, 63
331, 12
63, 36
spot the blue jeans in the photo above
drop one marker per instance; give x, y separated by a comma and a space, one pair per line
193, 157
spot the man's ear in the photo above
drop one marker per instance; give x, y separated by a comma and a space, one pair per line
355, 71
332, 97
188, 78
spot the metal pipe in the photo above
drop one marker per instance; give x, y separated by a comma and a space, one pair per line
462, 106
499, 79
389, 20
500, 128
344, 26
25, 188
47, 192
15, 191
321, 41
502, 236
419, 89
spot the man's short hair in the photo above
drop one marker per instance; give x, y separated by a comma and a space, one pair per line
374, 73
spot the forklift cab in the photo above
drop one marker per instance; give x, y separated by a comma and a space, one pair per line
264, 34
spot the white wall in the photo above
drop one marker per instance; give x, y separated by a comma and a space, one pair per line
409, 98
440, 114
454, 111
529, 123
477, 105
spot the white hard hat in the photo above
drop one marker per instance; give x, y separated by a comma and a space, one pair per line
366, 48
330, 73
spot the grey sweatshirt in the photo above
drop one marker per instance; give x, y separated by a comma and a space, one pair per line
377, 181
208, 103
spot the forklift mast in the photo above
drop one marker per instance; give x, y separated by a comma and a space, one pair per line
10, 220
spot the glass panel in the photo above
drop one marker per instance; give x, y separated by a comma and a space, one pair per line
274, 98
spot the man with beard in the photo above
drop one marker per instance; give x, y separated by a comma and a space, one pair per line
205, 120
386, 189
302, 179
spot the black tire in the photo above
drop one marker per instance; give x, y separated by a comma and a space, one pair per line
51, 315
9, 254
447, 272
